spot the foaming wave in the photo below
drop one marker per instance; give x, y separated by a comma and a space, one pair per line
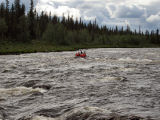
94, 113
128, 59
19, 91
88, 113
150, 53
127, 69
83, 66
109, 78
84, 113
116, 51
42, 118
1, 117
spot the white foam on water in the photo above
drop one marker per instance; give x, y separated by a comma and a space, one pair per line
19, 91
127, 69
128, 59
97, 58
1, 118
74, 111
83, 66
150, 53
109, 78
42, 118
86, 109
145, 60
116, 51
92, 109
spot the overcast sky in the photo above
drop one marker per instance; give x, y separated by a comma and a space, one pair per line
145, 13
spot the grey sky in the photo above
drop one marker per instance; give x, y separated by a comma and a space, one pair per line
145, 13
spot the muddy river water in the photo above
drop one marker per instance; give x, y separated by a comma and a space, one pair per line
110, 84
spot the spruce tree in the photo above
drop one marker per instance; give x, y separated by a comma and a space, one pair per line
17, 8
31, 20
7, 15
7, 5
3, 28
12, 22
23, 35
2, 10
157, 36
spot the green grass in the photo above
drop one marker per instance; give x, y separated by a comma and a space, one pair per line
34, 46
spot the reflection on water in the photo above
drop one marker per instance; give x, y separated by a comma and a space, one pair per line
110, 84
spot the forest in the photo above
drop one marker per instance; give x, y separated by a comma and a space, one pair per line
22, 31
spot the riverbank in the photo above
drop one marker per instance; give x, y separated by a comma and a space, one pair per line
9, 48
22, 48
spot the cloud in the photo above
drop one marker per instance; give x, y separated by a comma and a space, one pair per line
123, 11
57, 9
109, 12
154, 19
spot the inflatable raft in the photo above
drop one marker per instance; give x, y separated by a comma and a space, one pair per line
83, 55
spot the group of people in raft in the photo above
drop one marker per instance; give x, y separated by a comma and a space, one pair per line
81, 53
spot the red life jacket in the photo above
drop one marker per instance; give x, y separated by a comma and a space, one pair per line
77, 54
83, 55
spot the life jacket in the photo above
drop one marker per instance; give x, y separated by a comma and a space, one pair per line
83, 55
77, 54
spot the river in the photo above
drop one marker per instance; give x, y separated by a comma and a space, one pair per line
110, 84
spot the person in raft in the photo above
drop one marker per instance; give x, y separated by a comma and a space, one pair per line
81, 53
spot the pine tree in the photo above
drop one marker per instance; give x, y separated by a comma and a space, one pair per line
7, 10
55, 19
7, 15
23, 35
17, 9
31, 20
2, 10
7, 5
63, 19
22, 11
12, 23
157, 36
3, 28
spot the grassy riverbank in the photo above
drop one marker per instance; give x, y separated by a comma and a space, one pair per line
21, 48
33, 47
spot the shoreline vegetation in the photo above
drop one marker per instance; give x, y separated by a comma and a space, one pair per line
33, 32
34, 47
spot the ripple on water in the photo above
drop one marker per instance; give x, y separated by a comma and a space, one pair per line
98, 78
3, 115
19, 91
42, 118
89, 113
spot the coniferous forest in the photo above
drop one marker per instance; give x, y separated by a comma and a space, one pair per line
22, 32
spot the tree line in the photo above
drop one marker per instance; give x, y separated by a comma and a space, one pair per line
18, 26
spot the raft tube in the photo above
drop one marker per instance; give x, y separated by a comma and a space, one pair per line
80, 55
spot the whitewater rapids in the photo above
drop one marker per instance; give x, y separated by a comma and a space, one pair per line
119, 84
